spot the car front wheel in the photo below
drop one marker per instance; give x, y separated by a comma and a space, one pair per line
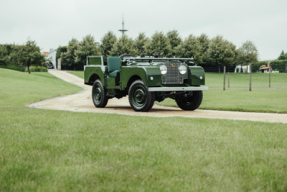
190, 103
139, 97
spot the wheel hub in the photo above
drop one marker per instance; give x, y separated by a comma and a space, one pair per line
139, 97
97, 94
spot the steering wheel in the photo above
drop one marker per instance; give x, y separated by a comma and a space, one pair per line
151, 54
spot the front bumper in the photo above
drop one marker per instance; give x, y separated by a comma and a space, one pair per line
166, 89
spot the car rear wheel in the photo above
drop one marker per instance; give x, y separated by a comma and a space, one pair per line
190, 103
139, 97
99, 94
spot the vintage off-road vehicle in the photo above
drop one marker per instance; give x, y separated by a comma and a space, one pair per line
145, 80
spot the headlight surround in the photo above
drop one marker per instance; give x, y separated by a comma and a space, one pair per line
182, 69
163, 69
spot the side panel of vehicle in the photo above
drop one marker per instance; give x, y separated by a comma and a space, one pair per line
196, 75
93, 72
150, 75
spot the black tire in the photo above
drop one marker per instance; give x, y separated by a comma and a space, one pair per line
190, 103
99, 97
139, 97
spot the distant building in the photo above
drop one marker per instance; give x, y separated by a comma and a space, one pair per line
52, 55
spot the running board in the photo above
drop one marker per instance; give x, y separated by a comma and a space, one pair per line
164, 89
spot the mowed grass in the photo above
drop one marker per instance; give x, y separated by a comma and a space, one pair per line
238, 97
46, 150
78, 73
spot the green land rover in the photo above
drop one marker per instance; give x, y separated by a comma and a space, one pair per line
145, 80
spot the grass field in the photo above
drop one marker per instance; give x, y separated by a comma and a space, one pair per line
238, 97
78, 73
46, 150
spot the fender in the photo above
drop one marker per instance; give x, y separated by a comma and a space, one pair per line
196, 75
93, 70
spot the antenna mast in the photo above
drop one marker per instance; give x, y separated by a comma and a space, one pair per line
123, 30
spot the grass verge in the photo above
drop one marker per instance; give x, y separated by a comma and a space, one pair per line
46, 150
77, 73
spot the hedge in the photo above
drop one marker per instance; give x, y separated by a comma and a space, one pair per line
13, 67
279, 64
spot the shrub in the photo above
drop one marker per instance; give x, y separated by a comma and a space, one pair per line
13, 67
37, 69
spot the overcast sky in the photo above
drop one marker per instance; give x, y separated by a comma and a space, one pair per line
54, 22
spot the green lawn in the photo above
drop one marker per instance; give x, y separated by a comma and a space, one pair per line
46, 150
238, 97
77, 73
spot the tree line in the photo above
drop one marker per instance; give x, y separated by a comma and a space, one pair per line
22, 56
215, 51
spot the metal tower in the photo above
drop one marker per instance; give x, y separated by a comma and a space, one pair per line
123, 30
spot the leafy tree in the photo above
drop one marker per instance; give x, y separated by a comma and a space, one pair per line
204, 42
69, 57
33, 55
86, 47
174, 40
107, 44
158, 41
123, 46
4, 56
282, 56
247, 53
221, 52
190, 47
139, 43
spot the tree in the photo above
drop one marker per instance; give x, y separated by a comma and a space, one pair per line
247, 54
282, 56
32, 55
4, 56
139, 43
190, 47
107, 44
221, 52
123, 46
204, 42
158, 41
174, 40
86, 47
69, 57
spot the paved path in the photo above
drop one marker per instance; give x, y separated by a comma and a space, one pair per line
82, 102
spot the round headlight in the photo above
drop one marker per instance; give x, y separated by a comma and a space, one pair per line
163, 69
182, 69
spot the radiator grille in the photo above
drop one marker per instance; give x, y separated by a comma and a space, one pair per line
173, 76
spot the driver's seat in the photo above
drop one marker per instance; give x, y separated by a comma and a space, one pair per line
114, 64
